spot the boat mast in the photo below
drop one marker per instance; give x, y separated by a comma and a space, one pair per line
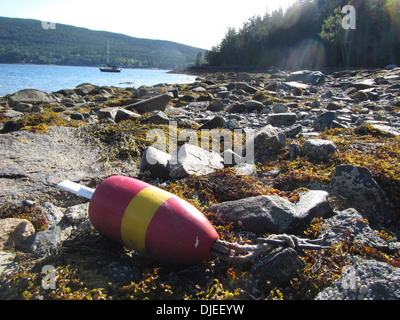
108, 52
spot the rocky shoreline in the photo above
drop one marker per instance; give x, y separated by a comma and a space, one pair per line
323, 149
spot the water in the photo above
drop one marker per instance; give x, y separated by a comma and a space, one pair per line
14, 77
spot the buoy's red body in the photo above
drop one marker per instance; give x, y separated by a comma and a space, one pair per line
151, 221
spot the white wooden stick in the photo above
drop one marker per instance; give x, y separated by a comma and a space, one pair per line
76, 188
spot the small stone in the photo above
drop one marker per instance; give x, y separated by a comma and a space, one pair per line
280, 108
282, 119
77, 214
13, 231
216, 122
318, 149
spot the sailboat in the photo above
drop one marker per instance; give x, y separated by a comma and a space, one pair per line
109, 67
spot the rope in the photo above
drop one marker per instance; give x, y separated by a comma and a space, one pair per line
239, 253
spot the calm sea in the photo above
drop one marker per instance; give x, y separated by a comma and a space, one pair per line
14, 77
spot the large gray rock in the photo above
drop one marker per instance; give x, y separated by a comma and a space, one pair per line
263, 141
156, 162
313, 203
252, 105
107, 113
261, 214
42, 243
245, 87
324, 121
357, 185
124, 114
157, 117
32, 96
365, 280
318, 149
159, 102
216, 122
190, 159
307, 76
279, 267
33, 164
350, 223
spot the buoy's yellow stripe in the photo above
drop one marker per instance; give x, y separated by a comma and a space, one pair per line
138, 215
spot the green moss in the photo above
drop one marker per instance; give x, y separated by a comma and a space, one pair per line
40, 122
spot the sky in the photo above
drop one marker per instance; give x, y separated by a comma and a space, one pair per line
202, 23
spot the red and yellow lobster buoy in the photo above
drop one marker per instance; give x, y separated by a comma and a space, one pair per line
159, 224
148, 219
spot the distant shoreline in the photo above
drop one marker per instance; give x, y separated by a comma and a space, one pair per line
67, 65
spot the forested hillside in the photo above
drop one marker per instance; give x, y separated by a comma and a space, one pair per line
26, 41
310, 34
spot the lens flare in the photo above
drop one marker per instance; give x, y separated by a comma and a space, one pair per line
393, 10
309, 53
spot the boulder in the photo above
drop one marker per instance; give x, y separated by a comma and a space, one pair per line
279, 267
263, 141
245, 87
313, 203
31, 96
318, 149
123, 114
22, 107
357, 185
13, 231
307, 76
280, 108
42, 243
85, 89
260, 214
324, 121
159, 102
156, 162
365, 280
107, 113
157, 117
216, 105
190, 159
253, 105
216, 122
293, 131
282, 119
356, 227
